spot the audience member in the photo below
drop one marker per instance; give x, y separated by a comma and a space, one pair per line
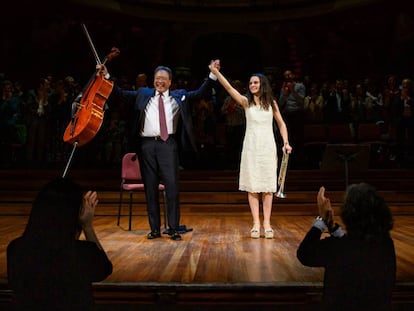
360, 265
403, 108
235, 122
337, 108
373, 103
49, 267
140, 81
204, 133
60, 113
313, 105
291, 101
10, 117
390, 92
38, 111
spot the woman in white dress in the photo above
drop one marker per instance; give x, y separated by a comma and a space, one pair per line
258, 166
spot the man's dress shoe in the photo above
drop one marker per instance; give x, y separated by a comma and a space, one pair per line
153, 235
174, 235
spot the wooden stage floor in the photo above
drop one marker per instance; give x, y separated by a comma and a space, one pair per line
216, 265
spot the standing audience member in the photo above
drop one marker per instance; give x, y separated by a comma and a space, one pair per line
358, 104
313, 106
403, 108
373, 103
389, 93
158, 154
291, 101
10, 117
49, 267
38, 113
235, 122
360, 266
140, 81
60, 113
258, 166
337, 108
204, 132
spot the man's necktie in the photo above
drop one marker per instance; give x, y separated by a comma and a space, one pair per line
163, 122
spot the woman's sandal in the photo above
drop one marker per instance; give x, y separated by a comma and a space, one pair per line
255, 232
269, 233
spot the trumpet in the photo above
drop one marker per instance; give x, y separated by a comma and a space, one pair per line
282, 176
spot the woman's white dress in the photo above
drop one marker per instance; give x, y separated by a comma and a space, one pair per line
258, 165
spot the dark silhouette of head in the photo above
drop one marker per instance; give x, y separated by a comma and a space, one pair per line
54, 218
365, 213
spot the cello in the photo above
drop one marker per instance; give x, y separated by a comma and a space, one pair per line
88, 107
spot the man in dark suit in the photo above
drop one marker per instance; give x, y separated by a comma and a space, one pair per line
158, 155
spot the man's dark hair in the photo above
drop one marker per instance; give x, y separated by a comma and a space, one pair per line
365, 213
164, 68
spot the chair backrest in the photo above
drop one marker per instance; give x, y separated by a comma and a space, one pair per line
369, 132
340, 134
315, 133
130, 167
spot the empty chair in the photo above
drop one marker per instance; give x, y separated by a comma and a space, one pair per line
131, 181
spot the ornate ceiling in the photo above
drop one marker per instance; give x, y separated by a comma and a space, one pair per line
223, 10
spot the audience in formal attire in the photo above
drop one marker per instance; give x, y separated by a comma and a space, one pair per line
352, 101
337, 103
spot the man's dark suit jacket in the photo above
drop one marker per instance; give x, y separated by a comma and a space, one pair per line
182, 97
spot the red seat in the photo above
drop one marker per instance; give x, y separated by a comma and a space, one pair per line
340, 134
315, 133
369, 132
131, 180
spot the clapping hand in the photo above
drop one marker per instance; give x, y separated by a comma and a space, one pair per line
324, 207
90, 200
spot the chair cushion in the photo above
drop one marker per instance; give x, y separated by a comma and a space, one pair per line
133, 187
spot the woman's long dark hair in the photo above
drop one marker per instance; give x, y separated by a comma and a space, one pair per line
266, 94
365, 213
54, 219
